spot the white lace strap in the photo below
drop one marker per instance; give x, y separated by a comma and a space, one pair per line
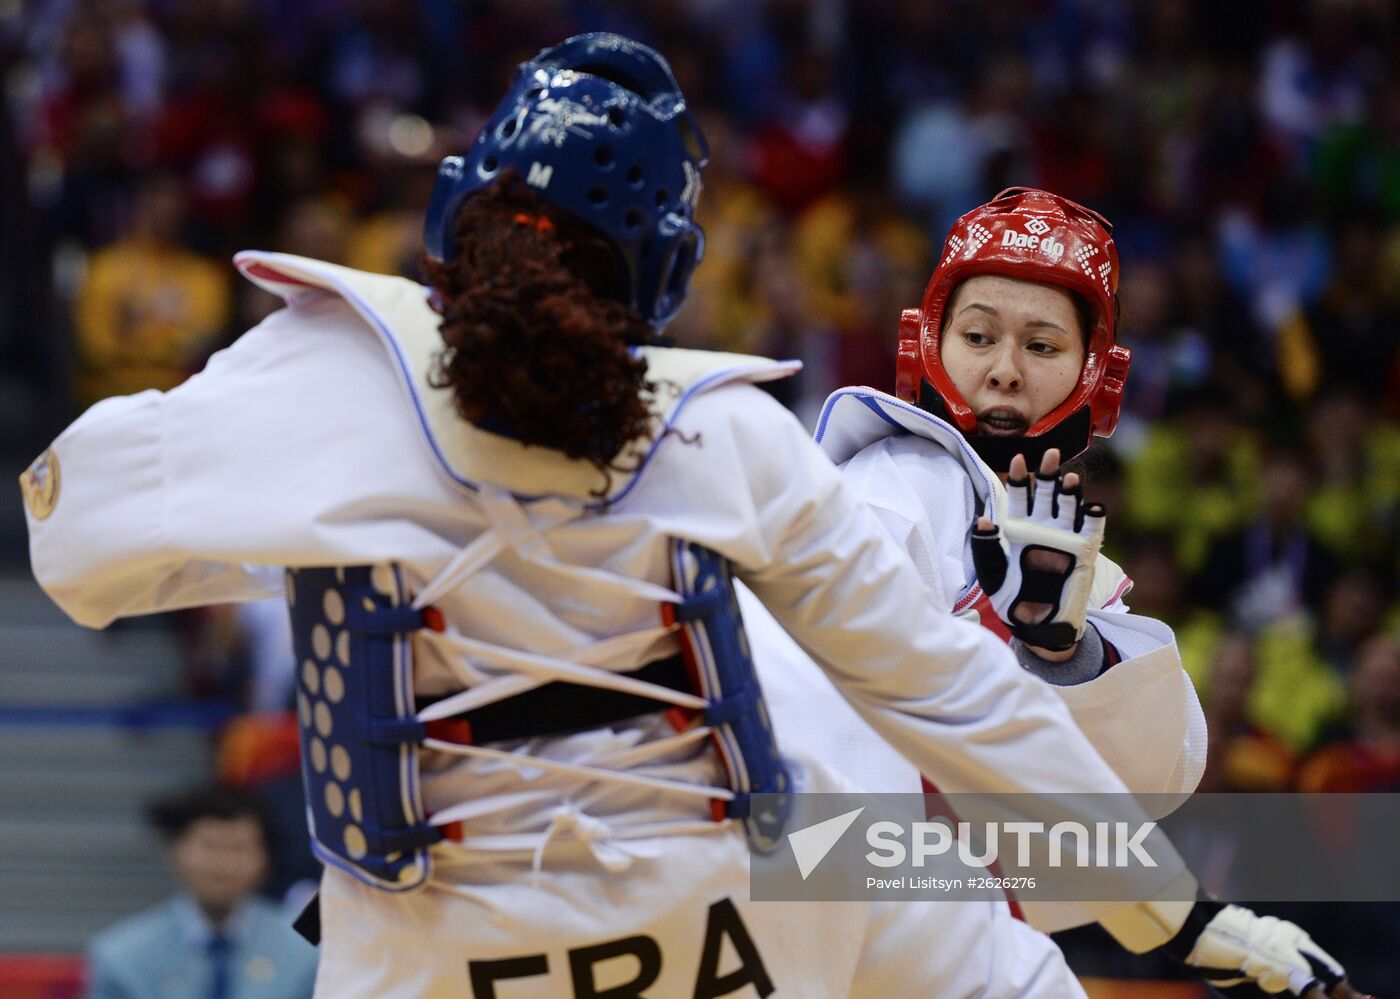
477, 807
582, 770
526, 538
630, 756
613, 847
595, 579
642, 752
545, 669
513, 527
461, 566
497, 688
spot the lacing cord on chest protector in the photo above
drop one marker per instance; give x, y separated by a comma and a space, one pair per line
728, 709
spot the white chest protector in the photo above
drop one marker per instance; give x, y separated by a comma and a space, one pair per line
361, 728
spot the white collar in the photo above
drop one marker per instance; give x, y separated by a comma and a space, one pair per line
854, 418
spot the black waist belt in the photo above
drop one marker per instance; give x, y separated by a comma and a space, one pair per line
561, 708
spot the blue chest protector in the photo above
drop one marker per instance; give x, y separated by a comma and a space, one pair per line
360, 734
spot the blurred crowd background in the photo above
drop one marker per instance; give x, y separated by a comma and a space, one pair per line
1248, 154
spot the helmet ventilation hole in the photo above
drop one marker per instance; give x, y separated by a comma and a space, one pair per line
603, 156
636, 176
598, 196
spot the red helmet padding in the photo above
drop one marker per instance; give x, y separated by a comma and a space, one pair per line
1033, 236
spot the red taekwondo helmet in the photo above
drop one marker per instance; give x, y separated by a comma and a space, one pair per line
1035, 236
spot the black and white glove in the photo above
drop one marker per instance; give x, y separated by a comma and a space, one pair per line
1037, 566
1231, 945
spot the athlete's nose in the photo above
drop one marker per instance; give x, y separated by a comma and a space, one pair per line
1004, 373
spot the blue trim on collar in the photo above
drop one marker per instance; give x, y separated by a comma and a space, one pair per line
695, 388
407, 374
877, 401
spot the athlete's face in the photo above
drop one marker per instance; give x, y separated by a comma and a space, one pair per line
1013, 349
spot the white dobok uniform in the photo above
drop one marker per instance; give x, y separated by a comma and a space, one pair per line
316, 440
926, 486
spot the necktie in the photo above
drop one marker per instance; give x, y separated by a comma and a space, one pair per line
220, 951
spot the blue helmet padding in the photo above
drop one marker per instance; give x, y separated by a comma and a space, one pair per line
596, 126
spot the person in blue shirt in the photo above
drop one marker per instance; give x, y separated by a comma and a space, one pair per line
215, 938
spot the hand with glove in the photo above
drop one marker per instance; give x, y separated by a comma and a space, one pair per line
1230, 945
1037, 566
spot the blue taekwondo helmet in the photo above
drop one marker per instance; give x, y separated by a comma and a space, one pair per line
596, 126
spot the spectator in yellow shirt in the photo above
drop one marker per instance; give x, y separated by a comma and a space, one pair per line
149, 310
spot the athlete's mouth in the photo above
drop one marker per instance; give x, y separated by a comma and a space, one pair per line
1001, 421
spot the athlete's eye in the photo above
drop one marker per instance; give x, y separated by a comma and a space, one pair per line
976, 338
1043, 347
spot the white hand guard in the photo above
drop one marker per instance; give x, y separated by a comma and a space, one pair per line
1042, 516
1237, 946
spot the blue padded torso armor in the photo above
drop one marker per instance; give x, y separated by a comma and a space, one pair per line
719, 651
360, 733
359, 762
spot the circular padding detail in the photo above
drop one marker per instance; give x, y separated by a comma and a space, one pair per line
321, 642
322, 713
335, 799
412, 872
310, 678
355, 844
382, 579
335, 685
334, 606
304, 710
357, 811
342, 648
318, 756
340, 763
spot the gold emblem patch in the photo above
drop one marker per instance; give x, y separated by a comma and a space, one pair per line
39, 483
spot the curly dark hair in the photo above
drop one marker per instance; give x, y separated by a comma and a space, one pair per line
536, 328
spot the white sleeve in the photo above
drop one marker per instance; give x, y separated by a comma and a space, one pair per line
813, 723
1142, 714
923, 498
104, 550
163, 497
